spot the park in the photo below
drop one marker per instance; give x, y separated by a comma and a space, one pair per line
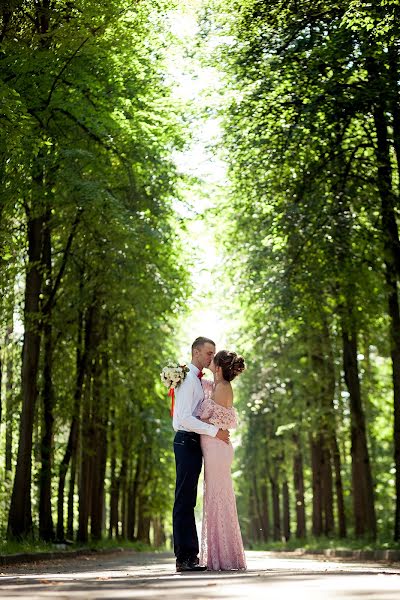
214, 168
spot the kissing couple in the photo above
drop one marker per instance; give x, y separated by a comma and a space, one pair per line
203, 415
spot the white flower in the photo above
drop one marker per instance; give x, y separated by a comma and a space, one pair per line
173, 374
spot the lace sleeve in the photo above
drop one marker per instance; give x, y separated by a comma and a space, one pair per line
224, 418
205, 409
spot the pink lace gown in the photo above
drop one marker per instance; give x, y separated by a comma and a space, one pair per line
221, 540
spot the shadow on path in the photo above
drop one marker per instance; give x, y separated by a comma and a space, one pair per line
152, 576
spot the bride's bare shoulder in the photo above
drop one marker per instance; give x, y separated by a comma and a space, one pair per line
223, 394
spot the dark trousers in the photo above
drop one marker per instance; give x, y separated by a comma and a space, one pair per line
188, 461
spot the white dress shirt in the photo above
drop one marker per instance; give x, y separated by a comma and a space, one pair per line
188, 396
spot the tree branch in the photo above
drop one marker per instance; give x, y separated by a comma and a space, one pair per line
65, 66
51, 299
86, 129
74, 54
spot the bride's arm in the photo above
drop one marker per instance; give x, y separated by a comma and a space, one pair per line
204, 420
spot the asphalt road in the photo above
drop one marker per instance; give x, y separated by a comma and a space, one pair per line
152, 577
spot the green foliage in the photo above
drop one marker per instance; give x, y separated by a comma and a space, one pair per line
304, 230
87, 135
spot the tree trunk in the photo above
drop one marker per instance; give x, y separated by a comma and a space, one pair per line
276, 508
395, 101
159, 533
362, 486
390, 236
1, 387
20, 515
394, 312
133, 494
9, 394
71, 449
339, 487
86, 462
286, 511
298, 482
324, 368
143, 533
71, 493
123, 476
265, 511
327, 489
100, 417
253, 530
316, 486
46, 528
114, 482
258, 505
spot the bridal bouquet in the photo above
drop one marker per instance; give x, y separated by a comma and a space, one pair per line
172, 375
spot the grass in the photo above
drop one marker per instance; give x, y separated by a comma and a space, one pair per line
31, 546
323, 543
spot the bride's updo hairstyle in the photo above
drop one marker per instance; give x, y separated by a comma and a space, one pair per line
230, 363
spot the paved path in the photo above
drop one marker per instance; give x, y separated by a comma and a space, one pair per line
152, 577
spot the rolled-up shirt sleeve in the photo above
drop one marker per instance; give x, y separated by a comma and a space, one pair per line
184, 411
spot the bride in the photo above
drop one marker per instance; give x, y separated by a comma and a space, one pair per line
221, 540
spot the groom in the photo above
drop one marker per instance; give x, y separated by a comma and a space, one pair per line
188, 456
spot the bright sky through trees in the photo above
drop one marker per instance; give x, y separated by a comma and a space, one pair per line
197, 83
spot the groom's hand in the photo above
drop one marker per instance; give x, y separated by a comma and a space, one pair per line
223, 435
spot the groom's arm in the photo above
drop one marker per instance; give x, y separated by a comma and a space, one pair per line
184, 395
